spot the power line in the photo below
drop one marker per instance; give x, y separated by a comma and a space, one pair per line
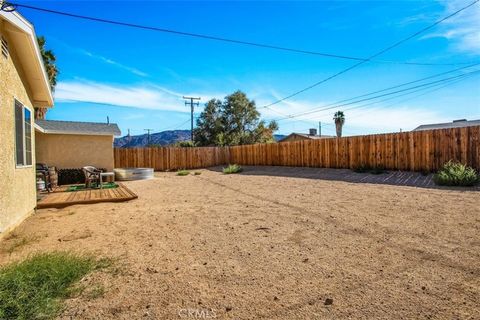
410, 98
8, 8
390, 93
435, 87
339, 103
175, 127
372, 56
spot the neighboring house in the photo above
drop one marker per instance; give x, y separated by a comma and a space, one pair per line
24, 87
302, 136
68, 144
448, 125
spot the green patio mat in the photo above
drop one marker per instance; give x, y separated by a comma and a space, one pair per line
108, 185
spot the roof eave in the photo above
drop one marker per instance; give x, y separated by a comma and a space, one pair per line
23, 32
81, 133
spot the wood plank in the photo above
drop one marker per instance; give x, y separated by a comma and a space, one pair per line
63, 199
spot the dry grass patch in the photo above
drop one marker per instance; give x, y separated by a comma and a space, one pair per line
35, 287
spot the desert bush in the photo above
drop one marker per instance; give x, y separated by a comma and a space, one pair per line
183, 173
197, 173
184, 144
232, 168
456, 174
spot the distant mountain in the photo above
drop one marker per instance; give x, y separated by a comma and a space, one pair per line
163, 138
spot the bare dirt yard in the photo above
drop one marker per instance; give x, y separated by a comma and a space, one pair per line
270, 244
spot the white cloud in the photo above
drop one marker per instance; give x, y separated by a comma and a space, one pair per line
381, 118
144, 96
371, 120
116, 64
462, 30
140, 96
392, 118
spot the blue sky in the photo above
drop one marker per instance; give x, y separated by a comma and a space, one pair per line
138, 77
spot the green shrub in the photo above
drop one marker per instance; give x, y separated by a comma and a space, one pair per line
184, 144
232, 168
183, 173
456, 174
35, 287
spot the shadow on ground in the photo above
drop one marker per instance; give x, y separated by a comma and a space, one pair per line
395, 178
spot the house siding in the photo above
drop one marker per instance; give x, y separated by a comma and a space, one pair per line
17, 189
74, 151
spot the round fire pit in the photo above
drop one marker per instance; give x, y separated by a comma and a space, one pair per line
125, 174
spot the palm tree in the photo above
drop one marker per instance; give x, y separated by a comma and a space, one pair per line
339, 118
49, 60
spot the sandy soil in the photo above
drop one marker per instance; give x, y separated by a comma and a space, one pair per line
268, 245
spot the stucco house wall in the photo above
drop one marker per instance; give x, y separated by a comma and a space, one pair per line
74, 151
293, 137
17, 185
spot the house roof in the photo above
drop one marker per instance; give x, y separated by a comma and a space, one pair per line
448, 125
21, 37
73, 127
306, 136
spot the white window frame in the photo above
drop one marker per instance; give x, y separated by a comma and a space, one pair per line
24, 165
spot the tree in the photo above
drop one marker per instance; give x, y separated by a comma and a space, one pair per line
209, 124
233, 121
339, 118
49, 60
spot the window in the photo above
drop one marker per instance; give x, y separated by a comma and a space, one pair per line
23, 135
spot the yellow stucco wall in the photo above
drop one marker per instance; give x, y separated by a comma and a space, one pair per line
17, 185
74, 151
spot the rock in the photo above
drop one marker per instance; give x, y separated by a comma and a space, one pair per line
328, 301
228, 308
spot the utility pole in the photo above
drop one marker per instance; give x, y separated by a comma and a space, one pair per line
319, 128
192, 105
148, 135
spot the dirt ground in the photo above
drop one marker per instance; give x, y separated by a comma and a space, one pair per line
270, 244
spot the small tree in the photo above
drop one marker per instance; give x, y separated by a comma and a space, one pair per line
339, 118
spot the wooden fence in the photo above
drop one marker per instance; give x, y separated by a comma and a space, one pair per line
414, 151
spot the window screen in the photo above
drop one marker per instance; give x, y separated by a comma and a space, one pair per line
28, 136
23, 135
19, 135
